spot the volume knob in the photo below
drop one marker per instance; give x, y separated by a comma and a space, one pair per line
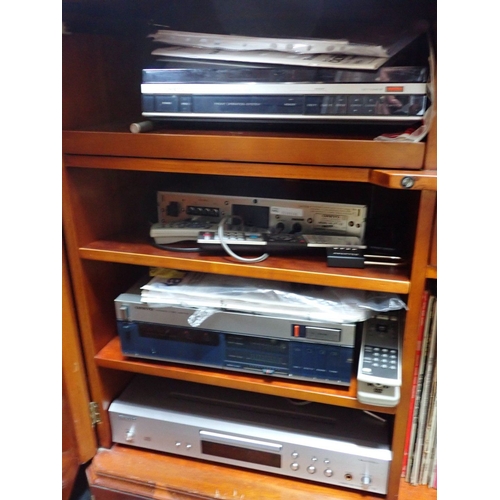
366, 480
130, 435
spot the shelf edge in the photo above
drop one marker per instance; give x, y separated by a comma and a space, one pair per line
108, 358
377, 284
245, 147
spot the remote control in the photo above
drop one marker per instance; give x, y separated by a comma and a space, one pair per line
272, 243
285, 243
182, 230
243, 241
296, 242
239, 240
379, 369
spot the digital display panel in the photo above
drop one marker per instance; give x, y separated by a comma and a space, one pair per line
178, 334
254, 216
242, 454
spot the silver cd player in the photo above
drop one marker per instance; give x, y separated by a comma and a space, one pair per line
304, 440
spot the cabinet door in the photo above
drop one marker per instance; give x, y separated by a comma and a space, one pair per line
74, 376
70, 459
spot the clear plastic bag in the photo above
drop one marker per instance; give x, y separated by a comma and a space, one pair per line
210, 293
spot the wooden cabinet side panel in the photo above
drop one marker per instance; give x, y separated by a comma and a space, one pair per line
95, 285
418, 280
433, 257
430, 161
74, 374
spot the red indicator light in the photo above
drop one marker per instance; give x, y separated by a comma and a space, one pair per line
395, 89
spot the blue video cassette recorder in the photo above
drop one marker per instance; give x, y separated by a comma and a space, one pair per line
271, 345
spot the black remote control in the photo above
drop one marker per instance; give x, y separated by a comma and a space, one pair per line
271, 243
242, 241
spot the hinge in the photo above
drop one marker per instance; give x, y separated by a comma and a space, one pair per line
95, 416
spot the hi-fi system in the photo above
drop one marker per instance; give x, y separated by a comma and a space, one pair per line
239, 224
278, 93
309, 441
271, 345
192, 216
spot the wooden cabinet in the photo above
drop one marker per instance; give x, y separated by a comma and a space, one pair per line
110, 179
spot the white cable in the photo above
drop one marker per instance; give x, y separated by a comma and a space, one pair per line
225, 246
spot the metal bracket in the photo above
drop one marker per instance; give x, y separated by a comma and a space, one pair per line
95, 416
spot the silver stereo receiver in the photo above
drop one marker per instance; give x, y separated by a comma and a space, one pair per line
304, 440
182, 216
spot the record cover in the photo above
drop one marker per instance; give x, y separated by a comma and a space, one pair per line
352, 39
170, 73
274, 57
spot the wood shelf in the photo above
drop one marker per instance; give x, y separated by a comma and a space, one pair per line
242, 146
298, 269
423, 179
110, 356
165, 476
160, 475
234, 168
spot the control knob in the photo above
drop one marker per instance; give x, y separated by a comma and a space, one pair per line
130, 435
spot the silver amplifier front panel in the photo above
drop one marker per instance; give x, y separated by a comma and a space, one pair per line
252, 439
275, 215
